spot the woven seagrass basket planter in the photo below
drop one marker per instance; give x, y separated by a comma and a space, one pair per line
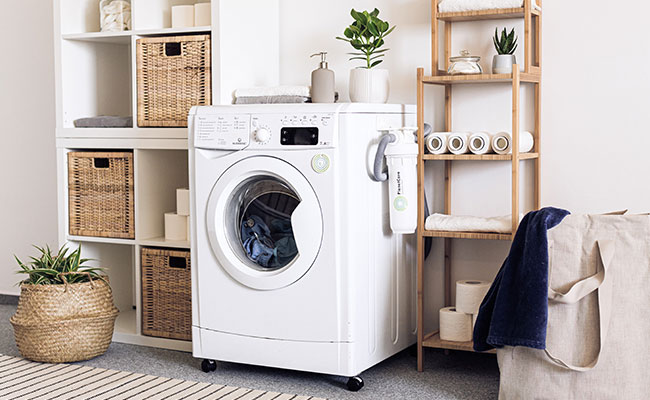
64, 323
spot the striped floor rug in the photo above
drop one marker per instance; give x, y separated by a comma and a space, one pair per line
22, 379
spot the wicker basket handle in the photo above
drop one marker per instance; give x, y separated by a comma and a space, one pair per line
173, 49
66, 283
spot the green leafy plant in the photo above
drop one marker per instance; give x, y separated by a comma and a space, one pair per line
366, 35
507, 44
51, 269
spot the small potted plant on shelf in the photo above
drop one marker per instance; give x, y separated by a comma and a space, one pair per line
505, 46
366, 35
66, 311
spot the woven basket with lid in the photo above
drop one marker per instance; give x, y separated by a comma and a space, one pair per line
64, 323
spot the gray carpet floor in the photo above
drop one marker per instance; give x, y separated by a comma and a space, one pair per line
459, 375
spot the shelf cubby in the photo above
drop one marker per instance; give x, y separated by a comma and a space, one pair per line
156, 14
158, 174
95, 80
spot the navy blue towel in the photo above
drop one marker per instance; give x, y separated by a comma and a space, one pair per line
514, 312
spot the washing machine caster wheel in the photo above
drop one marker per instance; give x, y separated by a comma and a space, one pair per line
355, 383
208, 365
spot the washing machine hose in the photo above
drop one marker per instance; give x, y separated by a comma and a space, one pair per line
380, 175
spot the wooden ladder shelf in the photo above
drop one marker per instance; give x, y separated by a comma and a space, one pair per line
531, 74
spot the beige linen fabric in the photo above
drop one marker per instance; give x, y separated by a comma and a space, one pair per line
578, 248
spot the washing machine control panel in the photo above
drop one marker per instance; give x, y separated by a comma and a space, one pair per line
292, 131
264, 131
225, 131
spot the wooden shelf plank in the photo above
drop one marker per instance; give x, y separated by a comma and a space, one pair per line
479, 78
468, 235
477, 157
495, 13
433, 340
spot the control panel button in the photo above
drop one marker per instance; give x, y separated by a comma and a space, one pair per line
320, 163
263, 135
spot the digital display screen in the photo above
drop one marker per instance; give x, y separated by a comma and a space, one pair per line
303, 136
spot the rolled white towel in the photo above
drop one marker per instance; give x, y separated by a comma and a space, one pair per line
502, 142
437, 142
466, 223
458, 143
302, 91
475, 5
480, 143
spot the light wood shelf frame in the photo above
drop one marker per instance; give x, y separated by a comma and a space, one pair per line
531, 74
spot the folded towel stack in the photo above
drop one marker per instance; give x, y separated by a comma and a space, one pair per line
104, 121
478, 143
272, 95
476, 5
465, 223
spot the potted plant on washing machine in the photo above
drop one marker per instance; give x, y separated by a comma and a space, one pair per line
65, 311
366, 35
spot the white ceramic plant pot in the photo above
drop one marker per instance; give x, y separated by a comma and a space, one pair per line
502, 63
369, 85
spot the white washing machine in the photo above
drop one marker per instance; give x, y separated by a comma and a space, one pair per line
293, 261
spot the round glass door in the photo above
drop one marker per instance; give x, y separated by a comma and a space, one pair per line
264, 223
262, 232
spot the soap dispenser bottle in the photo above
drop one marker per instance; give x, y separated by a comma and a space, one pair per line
322, 81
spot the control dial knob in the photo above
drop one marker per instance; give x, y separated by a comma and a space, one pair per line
262, 135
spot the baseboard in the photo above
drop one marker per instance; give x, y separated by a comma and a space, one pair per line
7, 299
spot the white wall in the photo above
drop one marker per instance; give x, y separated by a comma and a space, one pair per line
27, 157
595, 108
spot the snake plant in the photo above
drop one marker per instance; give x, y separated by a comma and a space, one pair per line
507, 44
53, 268
366, 35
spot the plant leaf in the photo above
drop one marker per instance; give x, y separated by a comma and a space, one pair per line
376, 63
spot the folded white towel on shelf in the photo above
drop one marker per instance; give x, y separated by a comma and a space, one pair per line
458, 143
476, 5
502, 142
437, 142
273, 91
480, 143
466, 223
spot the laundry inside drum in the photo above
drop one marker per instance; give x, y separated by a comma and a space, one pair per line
264, 222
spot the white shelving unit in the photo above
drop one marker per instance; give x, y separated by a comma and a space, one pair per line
96, 75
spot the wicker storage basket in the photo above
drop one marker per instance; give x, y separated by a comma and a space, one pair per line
173, 74
64, 323
100, 189
166, 294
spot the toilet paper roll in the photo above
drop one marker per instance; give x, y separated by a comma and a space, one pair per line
455, 326
182, 16
183, 201
474, 321
480, 143
202, 14
469, 295
437, 142
458, 143
502, 142
175, 226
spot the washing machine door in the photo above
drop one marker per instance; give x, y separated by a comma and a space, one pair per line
264, 223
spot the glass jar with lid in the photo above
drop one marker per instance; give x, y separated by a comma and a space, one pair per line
115, 15
464, 64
